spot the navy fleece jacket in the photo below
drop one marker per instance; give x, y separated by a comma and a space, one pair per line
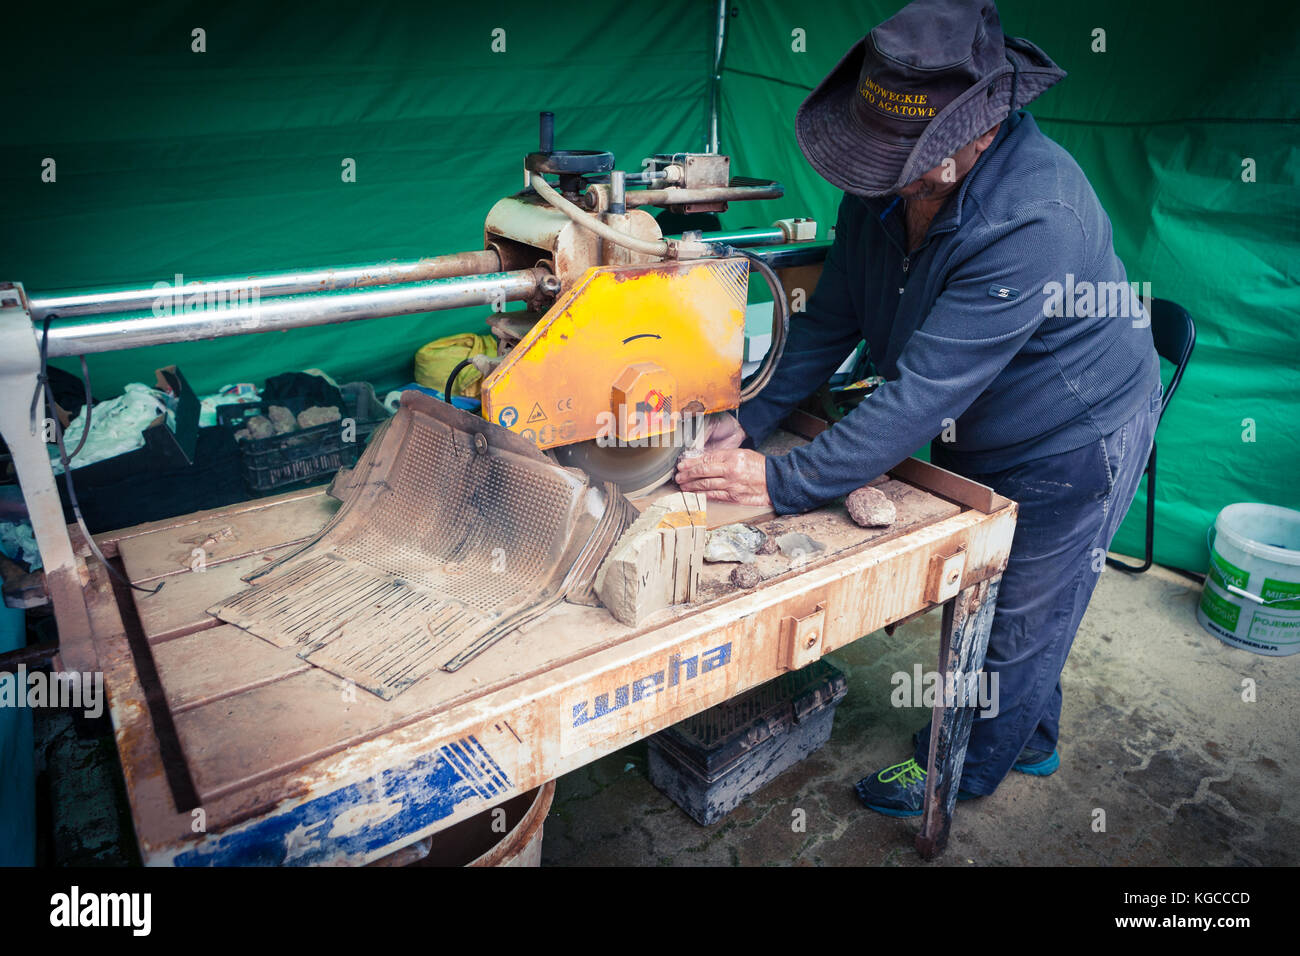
1012, 329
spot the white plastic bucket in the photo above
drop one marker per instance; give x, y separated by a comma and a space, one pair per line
1251, 597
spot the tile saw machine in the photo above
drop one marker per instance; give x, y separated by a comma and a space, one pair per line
646, 337
629, 341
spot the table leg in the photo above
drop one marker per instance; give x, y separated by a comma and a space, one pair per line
967, 620
20, 363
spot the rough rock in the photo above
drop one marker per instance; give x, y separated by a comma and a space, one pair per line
259, 426
797, 546
870, 507
282, 419
318, 415
746, 576
657, 561
733, 542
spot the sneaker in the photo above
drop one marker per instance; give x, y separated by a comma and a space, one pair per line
898, 791
1037, 763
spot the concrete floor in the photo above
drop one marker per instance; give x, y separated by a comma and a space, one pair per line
1155, 733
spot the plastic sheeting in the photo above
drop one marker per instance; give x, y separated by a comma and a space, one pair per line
170, 161
232, 161
116, 426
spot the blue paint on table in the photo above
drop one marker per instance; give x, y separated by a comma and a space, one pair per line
423, 791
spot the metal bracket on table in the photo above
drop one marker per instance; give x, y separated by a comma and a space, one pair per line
801, 639
944, 578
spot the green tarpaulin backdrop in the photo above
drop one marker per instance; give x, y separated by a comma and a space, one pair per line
172, 161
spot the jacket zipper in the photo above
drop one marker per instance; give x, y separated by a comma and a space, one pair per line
907, 258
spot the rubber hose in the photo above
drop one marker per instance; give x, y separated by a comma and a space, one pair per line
660, 249
780, 321
451, 379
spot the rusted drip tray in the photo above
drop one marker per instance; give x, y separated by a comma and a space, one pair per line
452, 532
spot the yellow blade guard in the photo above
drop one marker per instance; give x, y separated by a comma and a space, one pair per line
624, 352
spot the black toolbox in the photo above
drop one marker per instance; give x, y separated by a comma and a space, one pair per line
710, 762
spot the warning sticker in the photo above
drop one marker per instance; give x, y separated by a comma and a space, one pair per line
536, 415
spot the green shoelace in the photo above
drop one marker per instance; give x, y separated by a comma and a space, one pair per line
905, 772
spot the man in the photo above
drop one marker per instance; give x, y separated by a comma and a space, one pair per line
961, 227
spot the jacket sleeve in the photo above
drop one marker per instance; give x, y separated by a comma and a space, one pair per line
970, 335
817, 342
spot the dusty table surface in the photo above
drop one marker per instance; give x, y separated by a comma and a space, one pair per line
245, 709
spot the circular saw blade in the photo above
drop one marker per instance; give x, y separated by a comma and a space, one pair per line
635, 469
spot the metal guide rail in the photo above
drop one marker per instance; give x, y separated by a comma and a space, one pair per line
235, 751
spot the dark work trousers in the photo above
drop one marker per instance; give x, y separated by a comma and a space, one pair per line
1071, 505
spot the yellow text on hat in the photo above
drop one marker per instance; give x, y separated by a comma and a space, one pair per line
899, 104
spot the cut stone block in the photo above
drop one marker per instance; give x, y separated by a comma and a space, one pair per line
657, 561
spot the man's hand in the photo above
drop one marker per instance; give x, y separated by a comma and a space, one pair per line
737, 475
725, 432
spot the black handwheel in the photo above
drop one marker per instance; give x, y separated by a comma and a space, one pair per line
582, 162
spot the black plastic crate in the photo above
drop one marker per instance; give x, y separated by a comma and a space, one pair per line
710, 762
309, 454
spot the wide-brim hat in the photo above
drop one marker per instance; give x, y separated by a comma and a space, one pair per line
917, 88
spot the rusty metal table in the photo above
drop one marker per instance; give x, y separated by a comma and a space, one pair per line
235, 751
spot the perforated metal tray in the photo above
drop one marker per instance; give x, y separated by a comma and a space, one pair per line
453, 532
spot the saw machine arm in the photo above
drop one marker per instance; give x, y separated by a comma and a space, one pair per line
649, 330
